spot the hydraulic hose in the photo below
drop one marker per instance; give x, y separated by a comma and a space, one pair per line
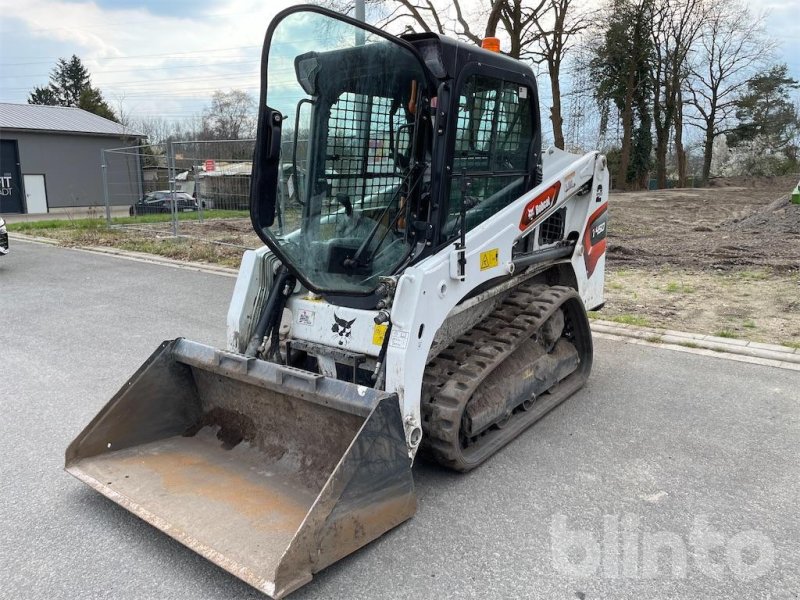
267, 316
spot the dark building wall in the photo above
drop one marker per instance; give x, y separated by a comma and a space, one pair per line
71, 166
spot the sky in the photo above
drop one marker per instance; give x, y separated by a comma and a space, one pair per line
165, 57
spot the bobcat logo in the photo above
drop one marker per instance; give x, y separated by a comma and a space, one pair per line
342, 328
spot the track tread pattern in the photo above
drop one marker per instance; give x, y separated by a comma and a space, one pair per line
452, 376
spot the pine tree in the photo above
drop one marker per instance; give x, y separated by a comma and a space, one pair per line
71, 85
765, 110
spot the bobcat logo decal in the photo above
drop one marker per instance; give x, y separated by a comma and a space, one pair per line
342, 330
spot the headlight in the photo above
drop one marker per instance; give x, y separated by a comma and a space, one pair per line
2, 226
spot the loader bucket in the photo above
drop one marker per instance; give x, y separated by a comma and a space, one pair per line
270, 472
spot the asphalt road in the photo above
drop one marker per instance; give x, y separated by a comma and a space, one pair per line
670, 475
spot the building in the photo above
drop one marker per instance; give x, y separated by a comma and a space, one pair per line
50, 159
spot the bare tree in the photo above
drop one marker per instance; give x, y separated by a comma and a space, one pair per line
732, 48
553, 41
155, 129
543, 31
676, 26
231, 116
428, 16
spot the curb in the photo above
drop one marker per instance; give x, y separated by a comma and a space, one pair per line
708, 345
131, 255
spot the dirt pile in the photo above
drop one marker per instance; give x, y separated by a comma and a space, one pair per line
781, 216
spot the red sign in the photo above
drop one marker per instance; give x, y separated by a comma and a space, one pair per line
539, 205
210, 165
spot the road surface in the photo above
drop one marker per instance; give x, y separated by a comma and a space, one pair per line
670, 475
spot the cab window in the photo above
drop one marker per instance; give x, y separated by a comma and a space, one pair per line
492, 150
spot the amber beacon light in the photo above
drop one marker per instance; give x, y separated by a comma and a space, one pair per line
491, 43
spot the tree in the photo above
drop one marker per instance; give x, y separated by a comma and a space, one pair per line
231, 116
542, 30
731, 47
676, 25
91, 100
552, 45
765, 140
622, 66
765, 110
70, 85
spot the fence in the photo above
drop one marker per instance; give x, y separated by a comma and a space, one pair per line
174, 188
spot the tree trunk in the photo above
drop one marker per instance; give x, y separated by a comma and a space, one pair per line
708, 152
680, 151
662, 139
555, 111
625, 152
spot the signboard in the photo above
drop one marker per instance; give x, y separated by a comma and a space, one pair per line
10, 180
210, 165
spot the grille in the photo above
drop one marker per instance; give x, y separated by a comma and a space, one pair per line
359, 162
552, 229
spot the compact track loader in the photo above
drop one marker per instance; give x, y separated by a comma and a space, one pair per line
422, 289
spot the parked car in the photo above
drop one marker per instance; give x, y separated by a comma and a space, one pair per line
161, 202
3, 238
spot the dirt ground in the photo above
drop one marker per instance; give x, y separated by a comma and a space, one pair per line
723, 260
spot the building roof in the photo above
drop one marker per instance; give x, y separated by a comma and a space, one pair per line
59, 119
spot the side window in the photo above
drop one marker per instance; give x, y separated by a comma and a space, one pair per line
358, 161
492, 149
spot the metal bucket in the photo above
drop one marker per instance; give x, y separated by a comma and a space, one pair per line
270, 472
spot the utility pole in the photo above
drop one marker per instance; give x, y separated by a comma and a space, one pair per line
360, 16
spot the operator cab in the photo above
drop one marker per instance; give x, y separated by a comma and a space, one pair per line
374, 151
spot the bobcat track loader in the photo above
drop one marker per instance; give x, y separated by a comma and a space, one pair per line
422, 289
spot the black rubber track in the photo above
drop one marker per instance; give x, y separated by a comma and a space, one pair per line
452, 377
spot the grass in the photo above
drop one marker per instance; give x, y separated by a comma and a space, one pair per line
86, 224
630, 320
689, 345
726, 333
749, 324
181, 249
795, 345
625, 319
654, 339
678, 288
753, 275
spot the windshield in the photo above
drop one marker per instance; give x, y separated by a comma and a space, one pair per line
351, 103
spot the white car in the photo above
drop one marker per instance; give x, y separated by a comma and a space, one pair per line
3, 238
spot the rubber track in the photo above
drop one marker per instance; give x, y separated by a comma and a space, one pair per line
452, 377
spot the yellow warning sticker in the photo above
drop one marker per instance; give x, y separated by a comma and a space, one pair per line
489, 259
378, 333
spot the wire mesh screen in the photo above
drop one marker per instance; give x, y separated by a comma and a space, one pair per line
359, 167
552, 230
493, 137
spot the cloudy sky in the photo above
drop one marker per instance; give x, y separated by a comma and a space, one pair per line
166, 57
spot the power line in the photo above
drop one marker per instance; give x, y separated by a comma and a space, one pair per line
205, 52
137, 69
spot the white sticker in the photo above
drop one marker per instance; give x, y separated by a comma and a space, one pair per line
523, 92
399, 338
305, 317
290, 186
